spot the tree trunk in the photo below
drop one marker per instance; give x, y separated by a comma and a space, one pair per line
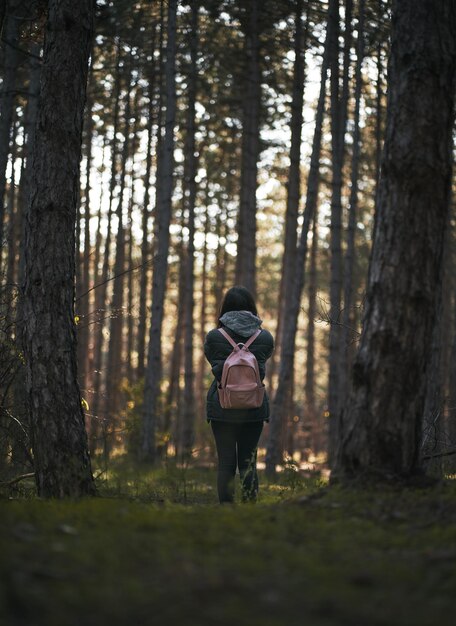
433, 419
83, 308
11, 58
173, 392
12, 226
21, 446
131, 320
246, 248
146, 214
452, 388
310, 410
102, 281
200, 386
382, 419
160, 271
339, 101
294, 190
95, 324
59, 440
347, 336
188, 413
2, 16
292, 311
115, 363
379, 97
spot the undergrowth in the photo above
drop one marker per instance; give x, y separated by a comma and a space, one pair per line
155, 548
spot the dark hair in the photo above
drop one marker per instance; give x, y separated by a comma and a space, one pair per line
238, 298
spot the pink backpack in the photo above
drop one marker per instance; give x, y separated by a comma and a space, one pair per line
240, 386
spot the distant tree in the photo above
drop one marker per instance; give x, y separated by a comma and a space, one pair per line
59, 440
246, 252
165, 173
290, 323
339, 103
8, 95
115, 364
287, 278
190, 189
347, 334
382, 420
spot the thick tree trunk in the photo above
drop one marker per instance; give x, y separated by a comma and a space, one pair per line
433, 419
59, 440
160, 272
452, 387
292, 311
21, 445
383, 416
188, 413
246, 247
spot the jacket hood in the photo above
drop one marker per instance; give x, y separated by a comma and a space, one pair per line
243, 323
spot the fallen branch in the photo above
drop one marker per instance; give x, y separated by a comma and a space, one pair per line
10, 483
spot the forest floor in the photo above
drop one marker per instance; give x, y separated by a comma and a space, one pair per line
156, 549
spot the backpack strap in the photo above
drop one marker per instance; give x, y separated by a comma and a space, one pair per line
251, 339
228, 338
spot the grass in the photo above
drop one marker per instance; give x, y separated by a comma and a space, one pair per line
155, 549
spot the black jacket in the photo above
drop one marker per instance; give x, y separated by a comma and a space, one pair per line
217, 349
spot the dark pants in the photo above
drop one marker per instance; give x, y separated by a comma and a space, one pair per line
237, 447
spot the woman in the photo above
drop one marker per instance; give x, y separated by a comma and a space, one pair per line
236, 431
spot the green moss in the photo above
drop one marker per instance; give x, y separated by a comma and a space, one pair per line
313, 555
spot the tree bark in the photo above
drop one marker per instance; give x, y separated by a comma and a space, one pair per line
12, 227
433, 418
160, 271
452, 385
21, 446
292, 311
101, 291
294, 188
59, 440
383, 416
11, 59
83, 287
200, 385
339, 101
173, 392
188, 413
115, 364
379, 97
310, 409
347, 336
146, 215
246, 247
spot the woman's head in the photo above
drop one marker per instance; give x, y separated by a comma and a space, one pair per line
238, 298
